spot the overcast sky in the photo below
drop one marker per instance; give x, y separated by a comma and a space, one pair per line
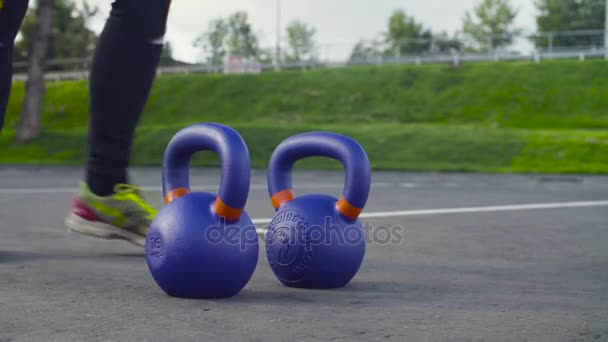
339, 23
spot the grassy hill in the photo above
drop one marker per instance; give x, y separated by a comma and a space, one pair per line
491, 117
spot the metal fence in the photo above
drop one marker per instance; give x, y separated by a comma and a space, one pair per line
535, 47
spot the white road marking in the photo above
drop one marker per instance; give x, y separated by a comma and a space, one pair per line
424, 212
382, 214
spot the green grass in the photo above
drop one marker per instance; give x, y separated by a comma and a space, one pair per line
488, 117
416, 147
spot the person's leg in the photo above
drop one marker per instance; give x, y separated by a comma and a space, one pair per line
123, 70
11, 16
122, 74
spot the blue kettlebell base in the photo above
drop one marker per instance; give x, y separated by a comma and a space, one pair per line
309, 245
194, 254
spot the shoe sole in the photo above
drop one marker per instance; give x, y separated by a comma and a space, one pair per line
102, 230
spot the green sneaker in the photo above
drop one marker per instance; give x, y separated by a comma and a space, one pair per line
123, 215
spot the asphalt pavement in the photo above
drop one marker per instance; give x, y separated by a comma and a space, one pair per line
527, 269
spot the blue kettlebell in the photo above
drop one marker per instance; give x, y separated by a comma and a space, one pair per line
316, 241
202, 245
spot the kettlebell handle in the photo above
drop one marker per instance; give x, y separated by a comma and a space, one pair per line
324, 144
235, 166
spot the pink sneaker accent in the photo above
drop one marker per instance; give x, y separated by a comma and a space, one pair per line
84, 212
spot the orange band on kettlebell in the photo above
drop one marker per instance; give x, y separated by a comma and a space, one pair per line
282, 197
175, 194
225, 211
348, 209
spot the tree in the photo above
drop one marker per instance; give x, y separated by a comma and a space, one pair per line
405, 35
570, 15
166, 56
300, 41
69, 36
364, 52
266, 56
491, 25
213, 42
241, 40
443, 42
231, 36
28, 126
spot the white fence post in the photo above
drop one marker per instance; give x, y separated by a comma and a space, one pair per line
456, 60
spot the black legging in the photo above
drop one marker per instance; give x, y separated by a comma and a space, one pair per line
11, 16
122, 74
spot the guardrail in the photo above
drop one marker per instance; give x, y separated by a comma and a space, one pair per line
454, 59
